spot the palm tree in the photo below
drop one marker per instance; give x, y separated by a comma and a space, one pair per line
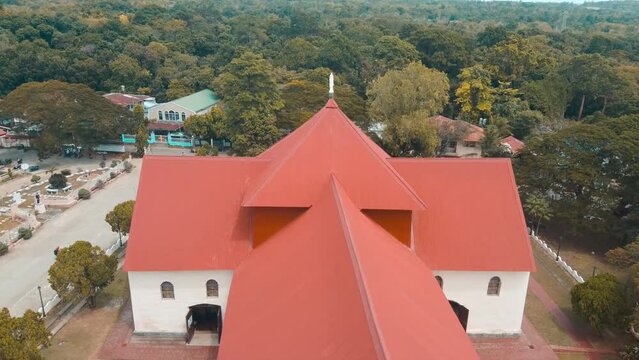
538, 207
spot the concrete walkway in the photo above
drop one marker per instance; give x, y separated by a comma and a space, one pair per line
26, 266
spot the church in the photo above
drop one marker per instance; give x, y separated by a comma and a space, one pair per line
326, 247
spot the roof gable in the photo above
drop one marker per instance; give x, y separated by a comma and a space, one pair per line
330, 144
197, 101
336, 269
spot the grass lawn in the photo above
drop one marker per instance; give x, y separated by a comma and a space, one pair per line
84, 335
558, 284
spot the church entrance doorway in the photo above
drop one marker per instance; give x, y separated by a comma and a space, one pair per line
204, 325
461, 312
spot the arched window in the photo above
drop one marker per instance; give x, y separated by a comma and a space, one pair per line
494, 286
211, 288
167, 290
171, 115
183, 116
160, 115
440, 281
166, 115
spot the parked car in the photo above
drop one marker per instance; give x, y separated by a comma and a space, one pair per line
34, 168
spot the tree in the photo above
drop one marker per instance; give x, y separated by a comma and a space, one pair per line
61, 113
538, 207
250, 100
58, 181
298, 53
525, 122
411, 136
549, 95
207, 126
402, 92
120, 218
20, 337
142, 134
516, 57
305, 96
393, 53
80, 270
590, 76
475, 95
600, 300
492, 35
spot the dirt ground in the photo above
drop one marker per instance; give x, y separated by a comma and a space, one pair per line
84, 335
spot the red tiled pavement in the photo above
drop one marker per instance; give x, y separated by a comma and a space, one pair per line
528, 346
117, 346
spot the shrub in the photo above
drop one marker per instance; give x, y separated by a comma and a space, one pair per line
619, 256
112, 175
600, 300
58, 181
10, 173
7, 161
3, 248
84, 194
35, 179
629, 352
128, 166
25, 233
114, 163
66, 172
206, 149
99, 184
102, 164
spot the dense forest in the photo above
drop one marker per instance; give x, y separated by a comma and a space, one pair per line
562, 77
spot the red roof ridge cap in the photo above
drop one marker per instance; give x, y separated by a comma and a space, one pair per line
201, 158
373, 325
331, 104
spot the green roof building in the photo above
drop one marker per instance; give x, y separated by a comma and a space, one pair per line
178, 110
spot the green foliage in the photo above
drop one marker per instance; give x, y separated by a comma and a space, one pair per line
25, 233
206, 150
4, 248
120, 218
549, 95
206, 126
526, 122
57, 181
84, 194
600, 300
250, 101
629, 352
393, 53
475, 94
80, 270
35, 179
22, 336
411, 136
579, 164
538, 209
65, 113
128, 167
98, 184
66, 172
141, 141
402, 92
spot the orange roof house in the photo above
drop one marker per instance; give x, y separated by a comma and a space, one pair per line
333, 248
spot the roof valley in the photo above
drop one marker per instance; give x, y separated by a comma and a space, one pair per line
373, 325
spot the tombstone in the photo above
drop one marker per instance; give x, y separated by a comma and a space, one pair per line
17, 198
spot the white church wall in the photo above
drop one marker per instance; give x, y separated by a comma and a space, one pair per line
488, 314
152, 314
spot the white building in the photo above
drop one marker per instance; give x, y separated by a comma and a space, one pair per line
322, 231
180, 109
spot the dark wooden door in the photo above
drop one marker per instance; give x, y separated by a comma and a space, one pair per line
190, 326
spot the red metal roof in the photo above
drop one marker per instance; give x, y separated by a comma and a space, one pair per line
473, 132
474, 221
187, 214
339, 287
515, 144
329, 143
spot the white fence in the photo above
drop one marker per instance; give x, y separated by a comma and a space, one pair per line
548, 250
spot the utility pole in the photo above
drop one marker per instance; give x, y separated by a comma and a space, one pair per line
41, 302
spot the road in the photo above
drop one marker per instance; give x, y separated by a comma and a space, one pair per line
26, 265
